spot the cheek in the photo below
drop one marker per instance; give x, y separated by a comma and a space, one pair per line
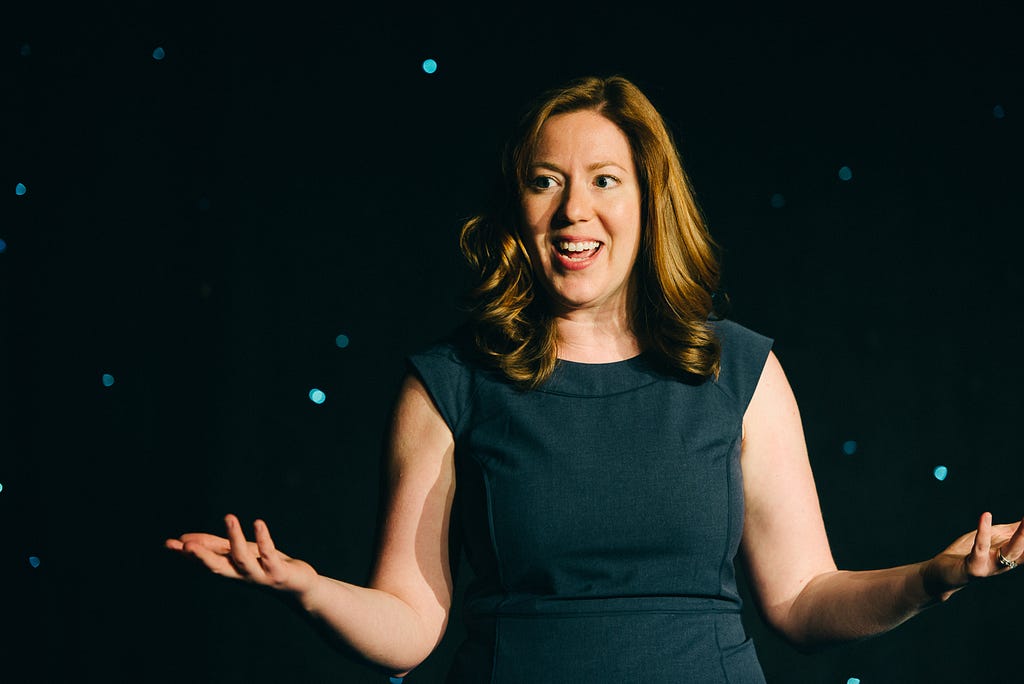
532, 239
627, 220
537, 214
532, 249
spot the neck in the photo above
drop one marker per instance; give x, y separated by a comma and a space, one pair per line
602, 338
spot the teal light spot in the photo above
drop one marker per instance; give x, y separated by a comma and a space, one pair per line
108, 380
850, 447
159, 54
20, 189
940, 472
341, 341
1, 486
3, 246
999, 112
34, 561
317, 396
429, 66
845, 173
853, 680
778, 201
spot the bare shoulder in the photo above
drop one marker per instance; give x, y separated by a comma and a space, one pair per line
773, 388
773, 437
417, 431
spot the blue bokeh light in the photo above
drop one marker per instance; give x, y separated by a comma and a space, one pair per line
999, 112
317, 396
108, 380
940, 472
20, 189
395, 680
26, 50
853, 680
429, 66
1, 486
850, 447
845, 173
341, 341
3, 246
778, 201
159, 54
34, 561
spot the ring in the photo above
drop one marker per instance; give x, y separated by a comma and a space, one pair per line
1006, 562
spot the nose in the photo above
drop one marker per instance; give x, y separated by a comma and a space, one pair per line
576, 204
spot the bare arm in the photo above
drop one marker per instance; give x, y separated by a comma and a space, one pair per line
800, 591
401, 616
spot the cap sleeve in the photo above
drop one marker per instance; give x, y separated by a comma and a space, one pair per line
448, 379
744, 353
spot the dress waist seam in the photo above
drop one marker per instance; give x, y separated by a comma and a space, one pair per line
605, 613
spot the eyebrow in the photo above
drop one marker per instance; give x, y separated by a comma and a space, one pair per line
590, 167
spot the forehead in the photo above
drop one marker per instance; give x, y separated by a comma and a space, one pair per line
584, 135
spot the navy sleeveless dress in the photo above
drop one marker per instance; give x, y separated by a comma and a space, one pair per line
601, 515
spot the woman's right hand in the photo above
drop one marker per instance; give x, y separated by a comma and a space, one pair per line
398, 619
258, 562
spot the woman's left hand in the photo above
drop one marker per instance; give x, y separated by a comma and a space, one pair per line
989, 550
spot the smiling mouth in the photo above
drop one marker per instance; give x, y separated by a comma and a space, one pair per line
577, 251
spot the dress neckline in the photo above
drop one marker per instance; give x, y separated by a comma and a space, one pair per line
598, 363
578, 379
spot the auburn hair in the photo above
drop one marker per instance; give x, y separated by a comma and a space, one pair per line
676, 272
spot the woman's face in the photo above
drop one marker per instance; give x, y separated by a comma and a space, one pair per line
581, 213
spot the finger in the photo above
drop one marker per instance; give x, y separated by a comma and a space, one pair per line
209, 541
1014, 547
979, 561
1018, 530
269, 558
217, 563
983, 537
264, 542
240, 554
173, 544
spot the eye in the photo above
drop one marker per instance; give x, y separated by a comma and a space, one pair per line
606, 181
542, 183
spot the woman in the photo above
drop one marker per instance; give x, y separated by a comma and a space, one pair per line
615, 447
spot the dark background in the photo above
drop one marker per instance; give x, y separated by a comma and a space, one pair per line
203, 226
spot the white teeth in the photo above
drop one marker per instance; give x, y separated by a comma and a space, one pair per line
578, 246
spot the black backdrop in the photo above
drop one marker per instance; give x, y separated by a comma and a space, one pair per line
203, 226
